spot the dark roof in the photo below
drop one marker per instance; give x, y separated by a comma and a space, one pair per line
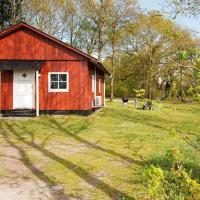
20, 25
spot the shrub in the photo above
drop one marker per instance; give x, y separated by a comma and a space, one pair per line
169, 177
139, 93
154, 177
193, 92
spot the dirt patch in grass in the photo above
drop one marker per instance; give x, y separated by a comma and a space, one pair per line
21, 180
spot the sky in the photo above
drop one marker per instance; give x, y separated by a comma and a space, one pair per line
186, 22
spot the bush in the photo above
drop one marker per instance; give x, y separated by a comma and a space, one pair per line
170, 177
154, 177
193, 92
184, 155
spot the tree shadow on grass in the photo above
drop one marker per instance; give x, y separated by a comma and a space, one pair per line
140, 119
24, 158
55, 124
113, 193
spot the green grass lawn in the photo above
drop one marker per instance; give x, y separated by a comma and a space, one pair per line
100, 156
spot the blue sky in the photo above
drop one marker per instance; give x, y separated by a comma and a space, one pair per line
190, 23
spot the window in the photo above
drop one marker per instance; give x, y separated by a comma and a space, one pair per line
58, 82
93, 83
99, 85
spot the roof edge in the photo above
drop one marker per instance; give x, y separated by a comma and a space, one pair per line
22, 24
102, 67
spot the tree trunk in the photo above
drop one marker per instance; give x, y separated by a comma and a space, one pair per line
100, 31
149, 90
71, 30
112, 89
13, 12
100, 42
182, 93
113, 74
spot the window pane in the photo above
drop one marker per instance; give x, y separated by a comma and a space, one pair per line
62, 77
93, 83
62, 85
54, 85
54, 77
99, 85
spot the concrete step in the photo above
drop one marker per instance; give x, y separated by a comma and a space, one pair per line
20, 113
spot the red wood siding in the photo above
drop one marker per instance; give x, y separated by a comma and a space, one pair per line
27, 45
6, 100
79, 95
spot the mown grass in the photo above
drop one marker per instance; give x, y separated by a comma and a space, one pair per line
100, 156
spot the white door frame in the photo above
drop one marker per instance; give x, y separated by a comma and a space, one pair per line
37, 93
32, 80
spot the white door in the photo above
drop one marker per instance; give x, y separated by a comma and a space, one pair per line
23, 89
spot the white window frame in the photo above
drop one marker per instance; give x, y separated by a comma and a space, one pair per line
57, 90
93, 83
99, 85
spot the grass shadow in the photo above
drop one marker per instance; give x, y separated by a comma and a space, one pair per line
55, 124
110, 191
146, 120
24, 158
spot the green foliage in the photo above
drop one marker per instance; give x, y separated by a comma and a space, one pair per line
154, 177
183, 55
139, 93
171, 176
5, 10
173, 91
147, 42
194, 92
120, 90
173, 131
189, 54
10, 12
178, 184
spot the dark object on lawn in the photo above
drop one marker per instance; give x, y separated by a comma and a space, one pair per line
125, 100
148, 106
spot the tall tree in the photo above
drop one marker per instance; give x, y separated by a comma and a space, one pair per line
61, 18
46, 15
16, 11
97, 12
123, 12
5, 13
10, 12
145, 44
152, 46
72, 19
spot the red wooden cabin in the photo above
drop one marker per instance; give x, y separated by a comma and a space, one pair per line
40, 74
